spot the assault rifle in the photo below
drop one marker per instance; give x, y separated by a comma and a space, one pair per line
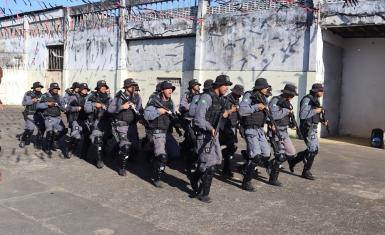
293, 121
173, 116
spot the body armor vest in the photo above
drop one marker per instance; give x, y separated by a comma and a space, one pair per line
52, 111
126, 115
97, 97
282, 103
314, 103
163, 121
215, 111
31, 109
258, 118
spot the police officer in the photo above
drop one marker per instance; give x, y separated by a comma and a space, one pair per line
133, 133
32, 119
311, 114
124, 108
227, 135
158, 113
78, 116
192, 162
252, 110
193, 89
96, 106
52, 105
207, 86
69, 95
281, 111
209, 113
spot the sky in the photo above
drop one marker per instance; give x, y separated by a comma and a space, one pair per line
12, 7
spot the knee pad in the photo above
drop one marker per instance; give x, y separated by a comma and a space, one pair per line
257, 159
162, 159
280, 157
98, 140
211, 170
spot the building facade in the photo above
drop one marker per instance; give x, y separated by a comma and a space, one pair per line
284, 41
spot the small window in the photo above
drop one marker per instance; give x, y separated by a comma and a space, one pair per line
55, 58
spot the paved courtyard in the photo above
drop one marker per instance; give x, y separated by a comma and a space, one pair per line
42, 195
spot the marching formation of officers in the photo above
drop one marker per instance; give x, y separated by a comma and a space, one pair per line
209, 120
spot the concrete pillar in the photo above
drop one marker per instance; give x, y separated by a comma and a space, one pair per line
199, 45
66, 51
26, 41
121, 48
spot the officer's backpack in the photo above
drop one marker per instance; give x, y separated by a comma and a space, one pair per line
377, 138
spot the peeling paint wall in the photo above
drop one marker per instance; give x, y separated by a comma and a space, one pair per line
366, 12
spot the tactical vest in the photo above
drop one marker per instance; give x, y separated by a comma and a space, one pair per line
31, 109
163, 121
314, 103
285, 121
126, 115
258, 118
52, 111
97, 97
81, 115
215, 111
233, 117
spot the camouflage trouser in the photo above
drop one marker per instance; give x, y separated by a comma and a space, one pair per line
33, 121
257, 143
165, 143
54, 124
78, 128
100, 129
311, 138
208, 150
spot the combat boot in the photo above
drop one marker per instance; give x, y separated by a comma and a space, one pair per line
293, 161
207, 179
246, 183
308, 159
25, 138
159, 165
99, 152
48, 143
39, 139
123, 155
226, 170
273, 179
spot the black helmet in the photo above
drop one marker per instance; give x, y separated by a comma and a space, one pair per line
222, 80
36, 85
192, 83
100, 84
261, 83
290, 89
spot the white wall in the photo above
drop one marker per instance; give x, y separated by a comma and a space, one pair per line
363, 87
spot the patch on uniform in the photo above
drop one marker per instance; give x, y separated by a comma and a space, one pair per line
306, 103
203, 101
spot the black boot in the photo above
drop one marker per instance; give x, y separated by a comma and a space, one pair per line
308, 162
273, 179
295, 160
48, 143
159, 165
99, 152
124, 156
207, 179
194, 178
39, 139
227, 166
25, 138
249, 170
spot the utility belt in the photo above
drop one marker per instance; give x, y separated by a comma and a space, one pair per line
121, 123
305, 124
156, 131
252, 126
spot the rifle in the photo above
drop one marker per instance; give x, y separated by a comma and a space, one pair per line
212, 141
322, 114
293, 121
275, 144
174, 118
139, 114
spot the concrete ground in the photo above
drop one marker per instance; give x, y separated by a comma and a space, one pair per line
42, 195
